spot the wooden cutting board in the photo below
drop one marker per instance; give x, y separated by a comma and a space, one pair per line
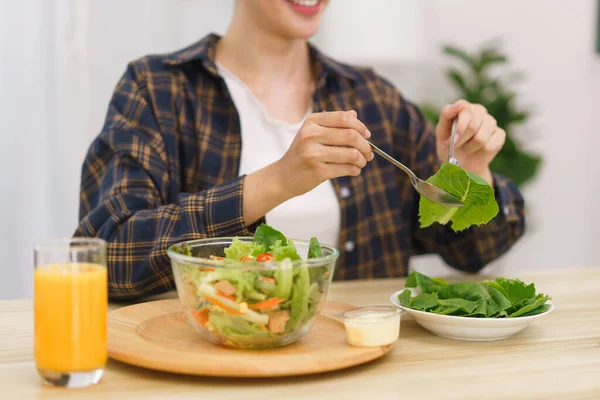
157, 335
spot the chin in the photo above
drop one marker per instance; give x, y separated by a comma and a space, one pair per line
300, 19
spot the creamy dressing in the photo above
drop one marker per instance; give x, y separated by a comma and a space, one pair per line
371, 328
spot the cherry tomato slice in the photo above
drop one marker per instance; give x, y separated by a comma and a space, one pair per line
265, 257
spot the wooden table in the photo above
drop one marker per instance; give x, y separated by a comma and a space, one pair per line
557, 357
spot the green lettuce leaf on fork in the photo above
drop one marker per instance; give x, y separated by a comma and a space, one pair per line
479, 203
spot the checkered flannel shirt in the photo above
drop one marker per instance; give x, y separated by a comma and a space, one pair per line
164, 169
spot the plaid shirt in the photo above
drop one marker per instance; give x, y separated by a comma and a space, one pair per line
164, 169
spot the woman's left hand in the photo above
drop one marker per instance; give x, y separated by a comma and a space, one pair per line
478, 140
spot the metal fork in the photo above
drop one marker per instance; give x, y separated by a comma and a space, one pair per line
424, 188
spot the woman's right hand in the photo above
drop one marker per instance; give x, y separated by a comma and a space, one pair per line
327, 146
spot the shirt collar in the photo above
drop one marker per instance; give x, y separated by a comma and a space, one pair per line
204, 51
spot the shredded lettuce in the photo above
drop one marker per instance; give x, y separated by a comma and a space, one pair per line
228, 325
300, 297
244, 281
239, 249
284, 276
314, 248
282, 250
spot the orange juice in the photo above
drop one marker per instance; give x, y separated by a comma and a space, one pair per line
70, 317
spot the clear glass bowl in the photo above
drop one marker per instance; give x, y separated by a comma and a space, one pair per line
242, 319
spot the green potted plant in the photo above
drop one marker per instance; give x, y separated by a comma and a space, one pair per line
476, 84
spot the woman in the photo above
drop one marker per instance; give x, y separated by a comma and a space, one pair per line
210, 140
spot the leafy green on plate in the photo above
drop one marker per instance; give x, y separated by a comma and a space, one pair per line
499, 298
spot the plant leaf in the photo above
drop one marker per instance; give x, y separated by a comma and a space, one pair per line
460, 54
457, 79
425, 283
491, 56
497, 303
530, 305
516, 291
404, 298
454, 306
411, 280
424, 301
479, 203
540, 310
489, 301
281, 251
440, 281
314, 248
268, 236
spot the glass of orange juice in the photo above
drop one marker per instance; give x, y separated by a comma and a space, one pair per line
70, 304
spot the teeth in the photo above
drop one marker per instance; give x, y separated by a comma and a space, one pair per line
305, 3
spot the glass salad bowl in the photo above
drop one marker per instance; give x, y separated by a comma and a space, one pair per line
251, 302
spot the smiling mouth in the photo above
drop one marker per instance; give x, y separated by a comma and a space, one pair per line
305, 3
306, 7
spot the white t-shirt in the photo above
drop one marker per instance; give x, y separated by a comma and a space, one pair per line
264, 141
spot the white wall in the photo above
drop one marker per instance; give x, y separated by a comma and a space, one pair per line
59, 63
61, 59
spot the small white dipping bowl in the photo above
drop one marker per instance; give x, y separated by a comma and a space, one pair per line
467, 328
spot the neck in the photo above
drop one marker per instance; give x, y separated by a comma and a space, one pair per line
257, 56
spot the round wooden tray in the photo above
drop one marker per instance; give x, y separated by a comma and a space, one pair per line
156, 335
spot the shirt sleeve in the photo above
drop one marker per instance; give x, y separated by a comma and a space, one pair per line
469, 250
124, 198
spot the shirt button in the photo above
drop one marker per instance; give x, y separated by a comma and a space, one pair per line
349, 246
506, 210
345, 192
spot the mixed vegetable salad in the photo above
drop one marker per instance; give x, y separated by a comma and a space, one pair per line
242, 305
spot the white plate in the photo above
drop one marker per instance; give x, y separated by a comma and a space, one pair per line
466, 328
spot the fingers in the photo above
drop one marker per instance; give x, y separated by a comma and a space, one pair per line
336, 170
342, 155
496, 141
470, 121
447, 115
481, 137
347, 138
336, 142
340, 119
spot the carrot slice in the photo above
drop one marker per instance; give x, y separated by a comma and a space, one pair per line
223, 306
207, 269
226, 296
266, 305
201, 316
267, 279
263, 327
